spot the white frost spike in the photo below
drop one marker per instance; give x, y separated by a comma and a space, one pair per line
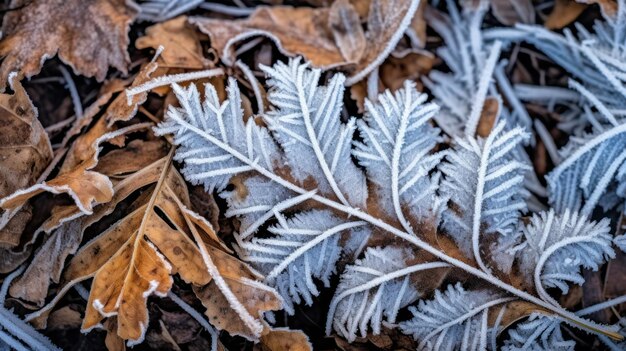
306, 122
303, 248
556, 247
396, 152
453, 320
539, 333
207, 163
484, 183
377, 286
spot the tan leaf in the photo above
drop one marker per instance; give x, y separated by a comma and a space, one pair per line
181, 43
137, 256
48, 263
25, 152
488, 116
307, 32
283, 339
347, 30
90, 36
564, 13
295, 31
509, 12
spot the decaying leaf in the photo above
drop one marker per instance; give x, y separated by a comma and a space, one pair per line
25, 152
90, 36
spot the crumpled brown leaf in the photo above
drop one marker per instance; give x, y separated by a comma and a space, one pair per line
90, 36
309, 32
347, 31
25, 152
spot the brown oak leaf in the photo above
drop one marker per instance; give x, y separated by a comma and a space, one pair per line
90, 36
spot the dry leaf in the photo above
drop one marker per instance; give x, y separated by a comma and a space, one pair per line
307, 32
488, 116
347, 30
49, 260
284, 339
181, 43
25, 152
509, 12
90, 36
295, 31
136, 257
564, 13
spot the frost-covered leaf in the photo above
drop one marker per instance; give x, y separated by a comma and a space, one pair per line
556, 247
90, 36
205, 162
306, 121
304, 248
455, 319
376, 287
538, 333
484, 184
396, 152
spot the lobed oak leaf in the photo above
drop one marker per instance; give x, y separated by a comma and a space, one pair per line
90, 36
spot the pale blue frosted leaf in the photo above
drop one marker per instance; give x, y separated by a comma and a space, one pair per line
396, 151
538, 333
484, 184
590, 166
306, 121
256, 206
303, 248
455, 319
556, 248
206, 162
376, 287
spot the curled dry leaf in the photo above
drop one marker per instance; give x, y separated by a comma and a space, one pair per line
137, 256
25, 152
318, 34
76, 176
90, 36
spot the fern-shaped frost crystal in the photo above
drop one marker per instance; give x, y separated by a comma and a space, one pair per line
453, 320
556, 247
538, 333
214, 163
306, 122
484, 184
373, 289
396, 152
304, 248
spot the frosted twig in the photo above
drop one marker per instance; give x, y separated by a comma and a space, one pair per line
168, 80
